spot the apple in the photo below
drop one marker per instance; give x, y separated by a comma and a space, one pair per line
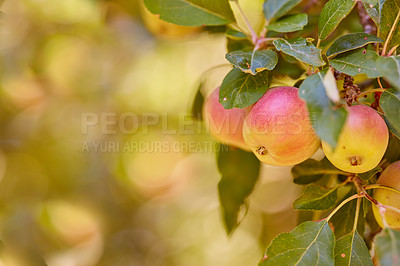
278, 129
390, 177
226, 125
362, 142
163, 29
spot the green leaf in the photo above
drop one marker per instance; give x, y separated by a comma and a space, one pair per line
192, 12
310, 243
390, 105
274, 9
289, 23
360, 61
332, 14
253, 62
328, 120
390, 15
240, 171
234, 34
370, 2
235, 44
343, 220
374, 9
352, 250
389, 67
302, 50
350, 42
198, 103
387, 247
392, 153
241, 90
312, 170
366, 205
368, 175
316, 197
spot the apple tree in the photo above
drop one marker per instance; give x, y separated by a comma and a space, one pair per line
317, 75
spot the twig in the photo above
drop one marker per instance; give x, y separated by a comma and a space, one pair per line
357, 214
374, 186
392, 50
380, 84
389, 37
369, 91
342, 204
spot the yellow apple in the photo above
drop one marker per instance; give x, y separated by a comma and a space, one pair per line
390, 177
362, 142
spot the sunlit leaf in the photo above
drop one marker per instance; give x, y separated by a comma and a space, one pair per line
192, 12
330, 85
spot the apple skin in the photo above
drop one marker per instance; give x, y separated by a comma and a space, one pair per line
226, 125
390, 177
362, 142
278, 129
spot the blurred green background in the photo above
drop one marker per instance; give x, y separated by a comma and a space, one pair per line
74, 193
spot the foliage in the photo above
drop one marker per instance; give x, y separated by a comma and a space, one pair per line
314, 42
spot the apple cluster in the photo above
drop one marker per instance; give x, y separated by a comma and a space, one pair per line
279, 131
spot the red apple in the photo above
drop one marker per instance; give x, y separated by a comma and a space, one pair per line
226, 125
278, 129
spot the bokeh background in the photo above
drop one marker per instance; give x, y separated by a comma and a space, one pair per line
71, 192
